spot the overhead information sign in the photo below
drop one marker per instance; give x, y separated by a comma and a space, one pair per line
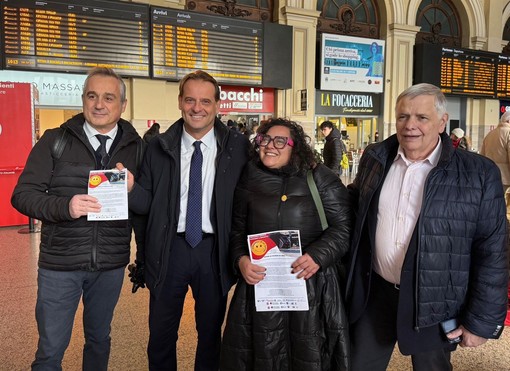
74, 36
503, 80
228, 49
468, 72
461, 72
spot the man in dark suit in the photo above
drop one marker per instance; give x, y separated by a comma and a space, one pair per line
188, 227
429, 253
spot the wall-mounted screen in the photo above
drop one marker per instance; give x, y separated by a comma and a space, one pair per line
351, 64
462, 72
503, 80
74, 36
229, 49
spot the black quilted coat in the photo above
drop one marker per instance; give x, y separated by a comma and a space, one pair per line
43, 192
303, 340
333, 150
461, 260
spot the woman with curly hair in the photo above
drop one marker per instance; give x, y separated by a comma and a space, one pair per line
273, 194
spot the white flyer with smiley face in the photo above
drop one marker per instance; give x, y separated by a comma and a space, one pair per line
110, 188
280, 289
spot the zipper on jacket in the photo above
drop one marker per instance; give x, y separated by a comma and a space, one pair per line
287, 339
93, 252
280, 204
418, 243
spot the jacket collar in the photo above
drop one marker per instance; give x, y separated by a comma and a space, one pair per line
75, 125
388, 148
170, 140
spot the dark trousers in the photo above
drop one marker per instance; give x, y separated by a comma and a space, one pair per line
195, 267
374, 335
58, 296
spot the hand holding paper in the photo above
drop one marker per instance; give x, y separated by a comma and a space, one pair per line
109, 187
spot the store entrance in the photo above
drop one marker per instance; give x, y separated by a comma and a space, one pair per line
49, 118
245, 122
357, 132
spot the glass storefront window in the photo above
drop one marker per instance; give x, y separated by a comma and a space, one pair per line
357, 132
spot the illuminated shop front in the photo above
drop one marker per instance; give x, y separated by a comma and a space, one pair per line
356, 115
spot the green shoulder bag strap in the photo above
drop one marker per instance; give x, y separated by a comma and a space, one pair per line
316, 199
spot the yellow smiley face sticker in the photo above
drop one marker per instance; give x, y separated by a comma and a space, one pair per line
95, 180
259, 247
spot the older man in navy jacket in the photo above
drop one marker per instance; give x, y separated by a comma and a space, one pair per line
429, 251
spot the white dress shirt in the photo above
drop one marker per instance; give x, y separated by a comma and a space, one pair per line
91, 133
209, 150
399, 207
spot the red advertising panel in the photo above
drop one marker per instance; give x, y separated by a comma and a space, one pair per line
241, 99
16, 141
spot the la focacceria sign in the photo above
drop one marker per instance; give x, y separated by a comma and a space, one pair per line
347, 104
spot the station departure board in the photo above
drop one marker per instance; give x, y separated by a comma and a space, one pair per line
76, 35
460, 72
230, 50
468, 72
503, 82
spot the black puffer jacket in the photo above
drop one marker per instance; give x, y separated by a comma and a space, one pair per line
44, 193
304, 340
333, 150
461, 260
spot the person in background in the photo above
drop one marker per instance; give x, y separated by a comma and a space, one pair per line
254, 129
186, 187
496, 146
79, 259
273, 194
428, 262
334, 147
241, 126
458, 139
249, 129
151, 132
232, 125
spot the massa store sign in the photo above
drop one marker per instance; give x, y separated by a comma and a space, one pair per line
347, 104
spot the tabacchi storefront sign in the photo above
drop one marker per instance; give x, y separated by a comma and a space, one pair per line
241, 99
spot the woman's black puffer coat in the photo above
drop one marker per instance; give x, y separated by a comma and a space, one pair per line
316, 339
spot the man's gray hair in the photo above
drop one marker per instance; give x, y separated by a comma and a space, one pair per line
426, 89
105, 71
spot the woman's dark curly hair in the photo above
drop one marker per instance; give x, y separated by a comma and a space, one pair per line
302, 157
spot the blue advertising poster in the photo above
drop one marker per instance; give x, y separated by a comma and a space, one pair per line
352, 64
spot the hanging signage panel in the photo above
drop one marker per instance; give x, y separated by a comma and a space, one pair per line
353, 62
227, 48
76, 35
460, 72
239, 99
347, 104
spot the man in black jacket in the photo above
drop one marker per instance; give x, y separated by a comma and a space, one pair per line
334, 147
429, 252
175, 256
79, 258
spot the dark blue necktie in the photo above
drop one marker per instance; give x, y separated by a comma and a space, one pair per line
101, 150
194, 211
